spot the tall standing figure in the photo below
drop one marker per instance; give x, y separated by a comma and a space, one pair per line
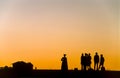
85, 61
64, 66
82, 61
96, 61
89, 61
101, 61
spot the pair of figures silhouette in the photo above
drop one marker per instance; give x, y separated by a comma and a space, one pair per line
98, 61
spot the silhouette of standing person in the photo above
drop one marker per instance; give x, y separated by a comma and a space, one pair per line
64, 66
89, 61
82, 62
96, 61
85, 61
101, 61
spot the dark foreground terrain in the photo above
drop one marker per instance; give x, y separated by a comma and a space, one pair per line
59, 74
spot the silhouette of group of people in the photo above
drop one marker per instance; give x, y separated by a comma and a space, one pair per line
86, 62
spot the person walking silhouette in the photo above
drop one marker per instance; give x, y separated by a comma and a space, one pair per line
96, 61
64, 66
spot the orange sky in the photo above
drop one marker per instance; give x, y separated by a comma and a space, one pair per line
41, 31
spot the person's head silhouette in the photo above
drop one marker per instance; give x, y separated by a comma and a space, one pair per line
89, 54
96, 53
82, 54
85, 54
64, 55
101, 55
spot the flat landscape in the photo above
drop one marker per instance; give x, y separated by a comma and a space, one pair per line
61, 74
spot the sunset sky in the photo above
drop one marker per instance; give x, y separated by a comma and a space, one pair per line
41, 31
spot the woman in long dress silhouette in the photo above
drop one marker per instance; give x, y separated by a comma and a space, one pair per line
64, 66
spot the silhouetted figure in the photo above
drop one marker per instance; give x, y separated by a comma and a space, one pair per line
89, 61
82, 61
96, 61
101, 61
85, 61
64, 66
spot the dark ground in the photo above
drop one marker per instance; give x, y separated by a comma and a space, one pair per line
60, 74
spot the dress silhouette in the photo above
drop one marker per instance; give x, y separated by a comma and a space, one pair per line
64, 66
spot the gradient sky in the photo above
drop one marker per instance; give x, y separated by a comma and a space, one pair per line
40, 31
